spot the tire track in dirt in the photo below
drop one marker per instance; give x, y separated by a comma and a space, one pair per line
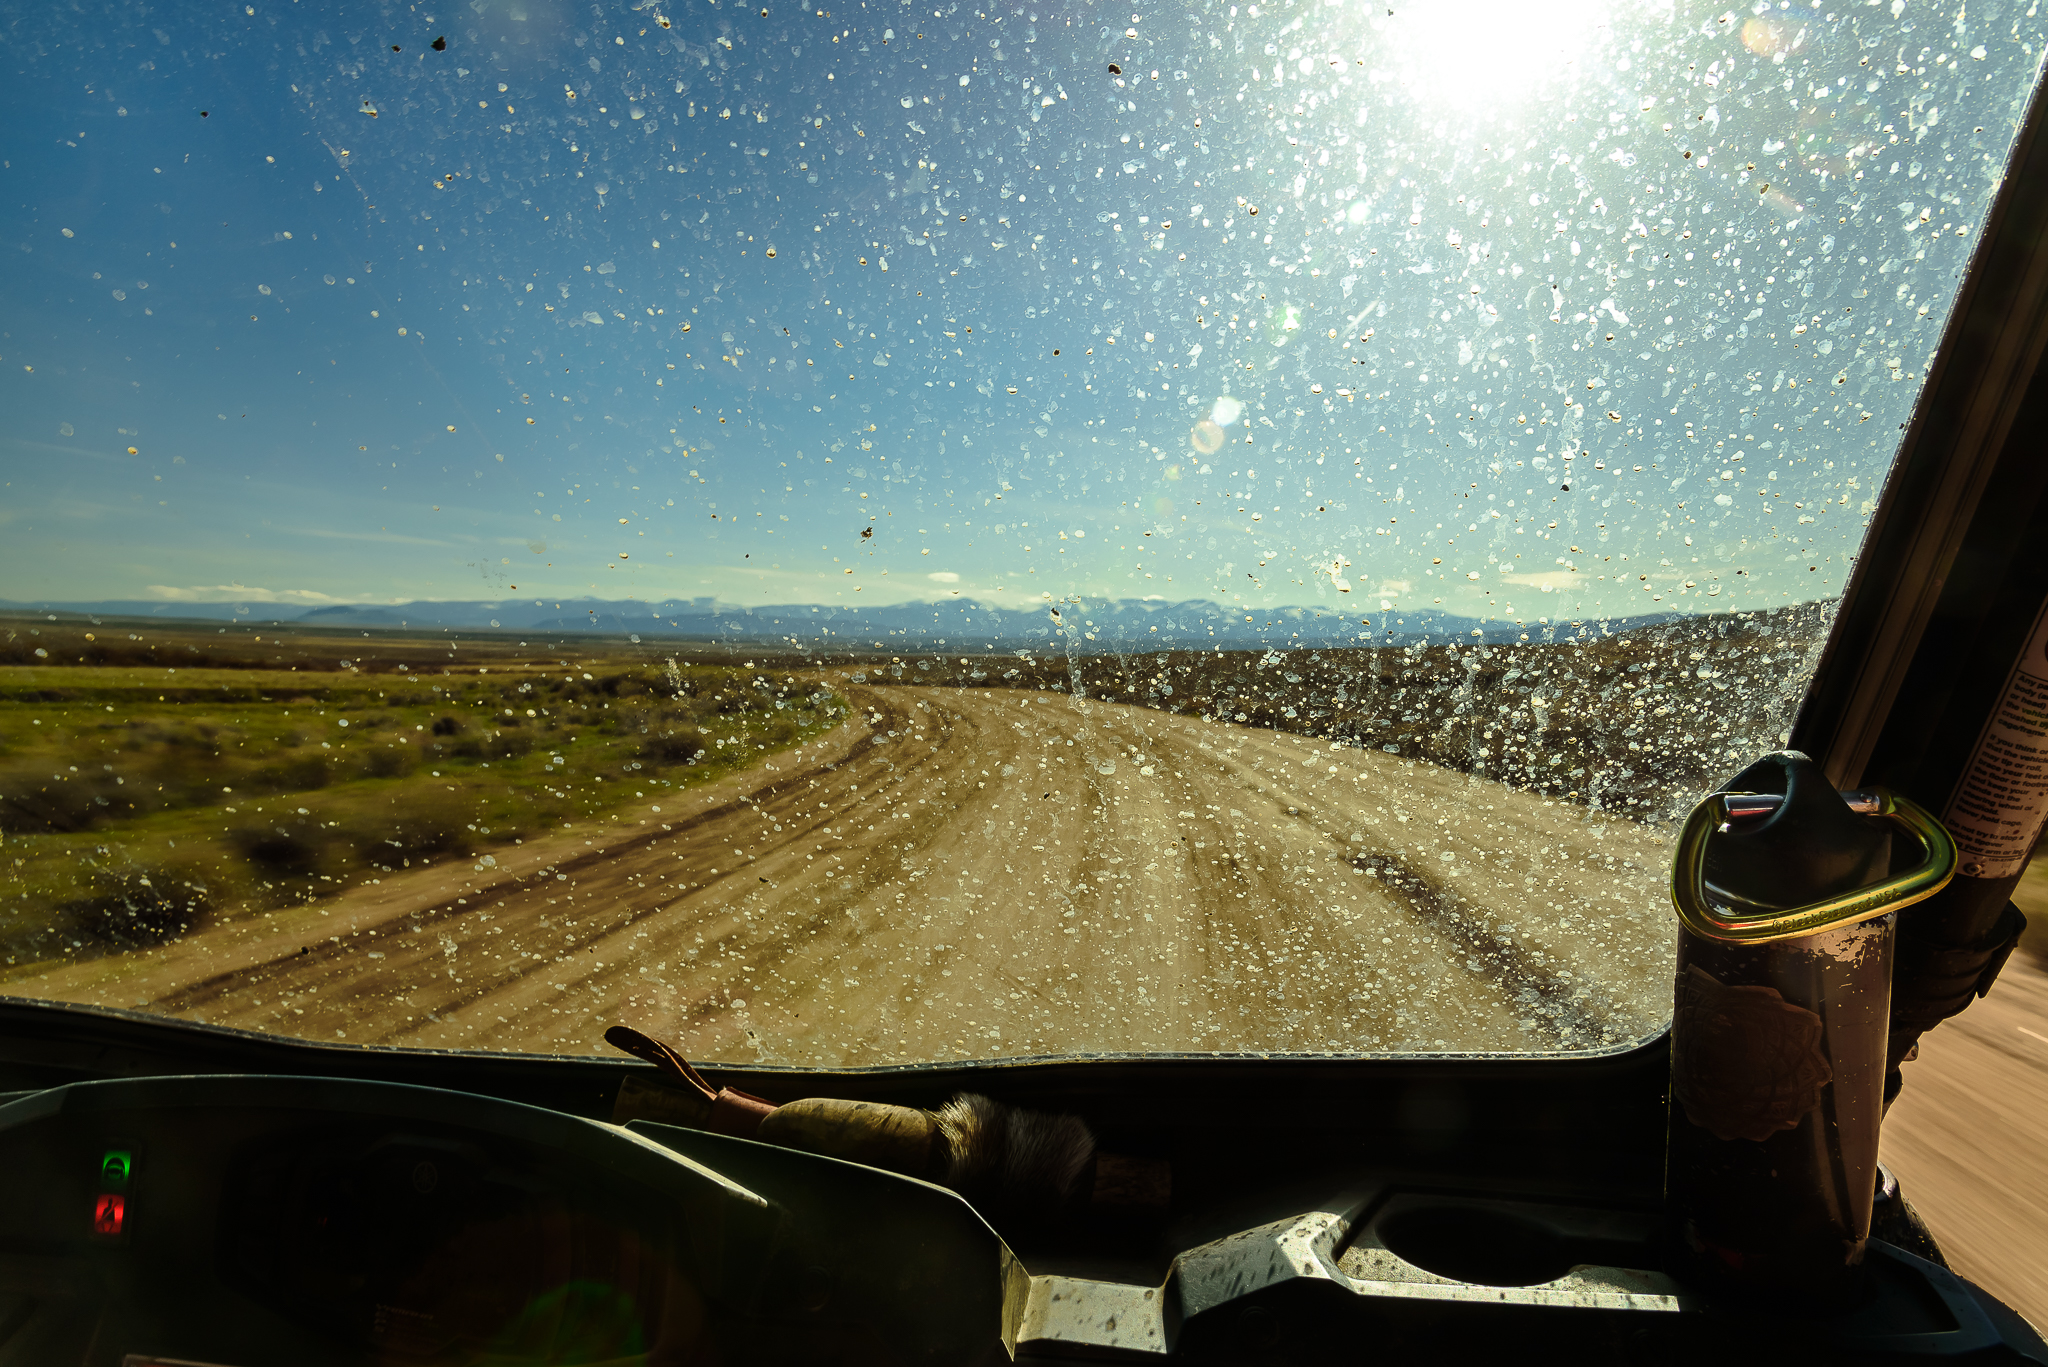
1485, 951
409, 948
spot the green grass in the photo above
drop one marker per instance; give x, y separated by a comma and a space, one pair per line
139, 800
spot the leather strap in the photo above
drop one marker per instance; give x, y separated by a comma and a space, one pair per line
733, 1112
1932, 981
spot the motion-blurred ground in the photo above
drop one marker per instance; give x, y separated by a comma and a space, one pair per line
1969, 1136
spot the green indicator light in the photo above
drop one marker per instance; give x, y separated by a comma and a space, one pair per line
115, 1167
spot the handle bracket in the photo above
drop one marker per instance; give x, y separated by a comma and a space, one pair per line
1704, 915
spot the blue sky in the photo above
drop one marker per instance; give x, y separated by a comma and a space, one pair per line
382, 322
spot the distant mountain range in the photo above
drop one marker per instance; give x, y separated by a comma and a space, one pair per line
964, 624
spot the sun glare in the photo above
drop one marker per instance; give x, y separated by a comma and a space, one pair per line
1492, 50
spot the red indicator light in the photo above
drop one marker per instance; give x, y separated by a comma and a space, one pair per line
108, 1212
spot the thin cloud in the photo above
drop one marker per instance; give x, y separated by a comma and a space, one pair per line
1549, 581
82, 446
393, 538
242, 593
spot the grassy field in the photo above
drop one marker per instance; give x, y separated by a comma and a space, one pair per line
153, 778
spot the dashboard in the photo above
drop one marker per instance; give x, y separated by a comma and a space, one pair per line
248, 1220
255, 1220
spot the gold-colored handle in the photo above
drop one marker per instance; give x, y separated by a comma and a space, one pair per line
1703, 917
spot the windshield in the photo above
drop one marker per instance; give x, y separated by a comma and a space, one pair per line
1232, 528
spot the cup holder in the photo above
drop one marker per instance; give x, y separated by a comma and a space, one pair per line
1469, 1244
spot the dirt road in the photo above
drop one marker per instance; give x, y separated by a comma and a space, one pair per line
980, 873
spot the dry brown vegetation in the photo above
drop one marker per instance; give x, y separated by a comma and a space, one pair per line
1643, 719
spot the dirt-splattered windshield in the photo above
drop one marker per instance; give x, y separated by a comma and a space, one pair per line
854, 534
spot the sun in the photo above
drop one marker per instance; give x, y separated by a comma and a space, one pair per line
1489, 52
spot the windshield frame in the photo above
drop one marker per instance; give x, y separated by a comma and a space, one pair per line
1989, 354
1987, 357
1963, 424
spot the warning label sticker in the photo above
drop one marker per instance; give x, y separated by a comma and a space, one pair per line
1998, 808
